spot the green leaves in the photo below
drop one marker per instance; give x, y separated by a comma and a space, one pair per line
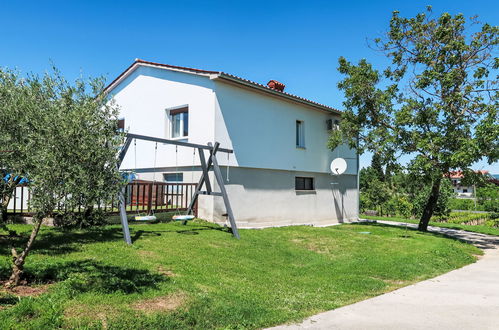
438, 102
438, 99
63, 137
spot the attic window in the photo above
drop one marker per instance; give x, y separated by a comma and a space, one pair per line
179, 119
121, 125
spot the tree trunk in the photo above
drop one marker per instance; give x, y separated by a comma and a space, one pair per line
3, 209
6, 197
18, 260
5, 204
4, 216
87, 215
430, 205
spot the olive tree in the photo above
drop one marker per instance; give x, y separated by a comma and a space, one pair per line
14, 97
62, 138
437, 102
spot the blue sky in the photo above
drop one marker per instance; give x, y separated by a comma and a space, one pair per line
295, 42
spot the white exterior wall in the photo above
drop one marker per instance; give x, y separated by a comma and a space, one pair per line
19, 200
262, 131
260, 128
144, 97
459, 189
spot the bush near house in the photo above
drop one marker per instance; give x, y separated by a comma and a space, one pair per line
470, 218
462, 204
488, 223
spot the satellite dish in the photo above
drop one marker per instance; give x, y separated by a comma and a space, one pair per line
338, 166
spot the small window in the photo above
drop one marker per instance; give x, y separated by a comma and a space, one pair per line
179, 119
465, 190
300, 134
121, 125
173, 177
173, 180
302, 183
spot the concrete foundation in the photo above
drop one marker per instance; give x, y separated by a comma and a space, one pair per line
267, 198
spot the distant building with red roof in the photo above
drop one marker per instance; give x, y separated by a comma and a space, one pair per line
463, 190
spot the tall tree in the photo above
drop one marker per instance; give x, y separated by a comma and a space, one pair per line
437, 102
377, 166
62, 138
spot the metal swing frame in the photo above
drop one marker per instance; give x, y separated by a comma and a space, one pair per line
206, 166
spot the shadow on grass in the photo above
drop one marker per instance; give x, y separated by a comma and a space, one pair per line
89, 275
481, 241
193, 229
8, 300
60, 241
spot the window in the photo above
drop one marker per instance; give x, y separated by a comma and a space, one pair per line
300, 134
302, 183
121, 125
173, 177
179, 119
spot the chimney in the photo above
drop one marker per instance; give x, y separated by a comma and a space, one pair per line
275, 85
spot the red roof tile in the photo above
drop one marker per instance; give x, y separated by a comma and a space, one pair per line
460, 175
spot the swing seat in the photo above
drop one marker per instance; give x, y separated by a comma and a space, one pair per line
145, 218
186, 217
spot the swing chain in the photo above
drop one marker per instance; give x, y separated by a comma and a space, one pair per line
192, 168
177, 210
155, 157
228, 166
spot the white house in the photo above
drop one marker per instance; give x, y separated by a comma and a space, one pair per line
279, 173
465, 190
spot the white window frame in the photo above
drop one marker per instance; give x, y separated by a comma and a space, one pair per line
300, 134
173, 187
177, 175
169, 123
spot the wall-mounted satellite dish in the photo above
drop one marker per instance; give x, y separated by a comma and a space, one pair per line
338, 166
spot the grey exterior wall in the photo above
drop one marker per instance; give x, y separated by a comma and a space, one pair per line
266, 198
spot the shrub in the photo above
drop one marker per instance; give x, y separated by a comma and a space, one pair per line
469, 218
461, 204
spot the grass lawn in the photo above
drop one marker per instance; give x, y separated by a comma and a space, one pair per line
477, 229
199, 276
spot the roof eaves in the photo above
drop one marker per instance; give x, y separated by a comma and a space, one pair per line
219, 75
263, 88
138, 62
174, 67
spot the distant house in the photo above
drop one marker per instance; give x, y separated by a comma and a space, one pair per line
495, 179
461, 190
279, 173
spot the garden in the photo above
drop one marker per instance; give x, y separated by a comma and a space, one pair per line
199, 276
397, 194
61, 140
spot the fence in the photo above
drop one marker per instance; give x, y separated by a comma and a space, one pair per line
140, 196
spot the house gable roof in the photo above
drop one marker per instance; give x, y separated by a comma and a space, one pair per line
219, 75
